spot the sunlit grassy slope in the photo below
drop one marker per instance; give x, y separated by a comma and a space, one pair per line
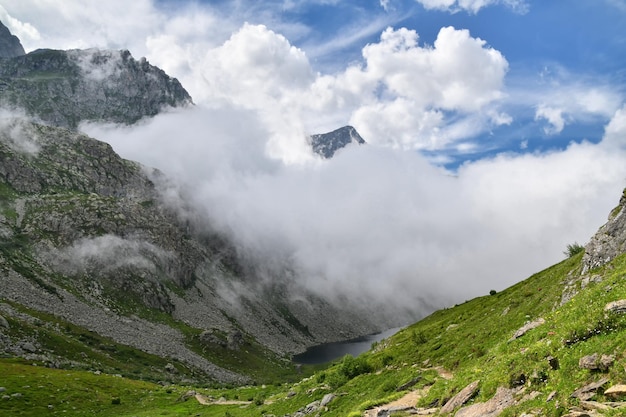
471, 341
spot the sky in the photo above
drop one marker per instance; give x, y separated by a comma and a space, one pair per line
495, 129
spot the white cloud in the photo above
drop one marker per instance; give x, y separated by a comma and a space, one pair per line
384, 225
554, 116
401, 94
472, 6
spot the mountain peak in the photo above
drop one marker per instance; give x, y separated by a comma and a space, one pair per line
10, 45
64, 88
326, 144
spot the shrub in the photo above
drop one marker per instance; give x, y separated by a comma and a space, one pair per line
352, 367
418, 337
573, 249
493, 292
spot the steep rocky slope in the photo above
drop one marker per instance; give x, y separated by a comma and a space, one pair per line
87, 237
63, 88
10, 45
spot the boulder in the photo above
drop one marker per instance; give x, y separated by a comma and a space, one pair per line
4, 323
616, 391
461, 398
618, 306
527, 327
596, 362
502, 400
588, 391
327, 399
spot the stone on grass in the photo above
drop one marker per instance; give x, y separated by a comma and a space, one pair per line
618, 306
616, 391
461, 398
527, 327
588, 391
502, 400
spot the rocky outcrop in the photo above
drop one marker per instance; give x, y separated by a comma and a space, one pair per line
10, 45
609, 241
64, 88
326, 144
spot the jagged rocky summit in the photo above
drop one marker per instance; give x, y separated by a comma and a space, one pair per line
10, 45
64, 88
326, 144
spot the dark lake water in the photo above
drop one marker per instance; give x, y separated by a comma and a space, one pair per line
331, 351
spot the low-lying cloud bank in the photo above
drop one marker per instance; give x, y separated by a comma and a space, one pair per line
380, 224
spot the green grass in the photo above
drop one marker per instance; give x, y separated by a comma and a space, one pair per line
472, 340
42, 391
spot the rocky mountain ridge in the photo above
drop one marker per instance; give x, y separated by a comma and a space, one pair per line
65, 88
10, 45
326, 144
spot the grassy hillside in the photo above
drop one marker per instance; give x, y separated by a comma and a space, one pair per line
441, 355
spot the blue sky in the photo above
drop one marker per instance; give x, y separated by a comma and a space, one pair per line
555, 52
550, 46
496, 129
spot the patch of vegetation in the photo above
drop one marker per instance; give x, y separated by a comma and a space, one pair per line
573, 249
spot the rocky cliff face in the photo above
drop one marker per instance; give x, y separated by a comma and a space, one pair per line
63, 88
609, 241
326, 144
10, 45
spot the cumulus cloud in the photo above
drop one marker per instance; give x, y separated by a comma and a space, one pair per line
417, 91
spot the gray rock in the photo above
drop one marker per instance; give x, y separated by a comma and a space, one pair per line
10, 45
235, 340
588, 391
2, 389
609, 241
596, 362
171, 369
461, 398
618, 306
527, 327
4, 323
502, 400
29, 347
327, 399
326, 144
616, 391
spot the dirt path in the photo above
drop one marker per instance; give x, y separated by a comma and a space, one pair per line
409, 400
206, 401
